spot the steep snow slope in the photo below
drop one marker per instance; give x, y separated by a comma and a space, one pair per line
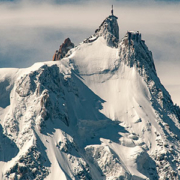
126, 80
99, 113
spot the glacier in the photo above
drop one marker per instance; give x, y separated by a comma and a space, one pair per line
100, 113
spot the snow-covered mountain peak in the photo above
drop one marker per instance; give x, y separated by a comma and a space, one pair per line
99, 113
134, 52
109, 30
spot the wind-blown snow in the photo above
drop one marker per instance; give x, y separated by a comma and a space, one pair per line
99, 113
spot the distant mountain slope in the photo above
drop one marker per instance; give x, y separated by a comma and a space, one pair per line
99, 113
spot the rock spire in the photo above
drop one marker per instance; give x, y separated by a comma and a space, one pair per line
108, 29
64, 48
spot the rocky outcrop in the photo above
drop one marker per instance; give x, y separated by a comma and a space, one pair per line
135, 52
64, 48
109, 30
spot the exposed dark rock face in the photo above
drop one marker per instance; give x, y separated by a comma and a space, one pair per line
64, 48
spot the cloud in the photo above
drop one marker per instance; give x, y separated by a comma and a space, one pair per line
31, 31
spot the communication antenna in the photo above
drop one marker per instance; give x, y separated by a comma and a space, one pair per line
112, 11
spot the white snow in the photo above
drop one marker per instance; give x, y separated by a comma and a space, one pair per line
89, 115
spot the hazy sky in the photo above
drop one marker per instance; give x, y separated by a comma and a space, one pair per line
31, 31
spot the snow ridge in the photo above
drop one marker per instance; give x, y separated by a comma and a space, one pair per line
138, 55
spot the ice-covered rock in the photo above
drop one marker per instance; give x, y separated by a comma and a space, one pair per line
109, 30
107, 162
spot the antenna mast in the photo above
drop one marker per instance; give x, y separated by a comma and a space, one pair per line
112, 11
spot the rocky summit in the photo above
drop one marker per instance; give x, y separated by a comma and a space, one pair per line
64, 48
98, 113
109, 29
